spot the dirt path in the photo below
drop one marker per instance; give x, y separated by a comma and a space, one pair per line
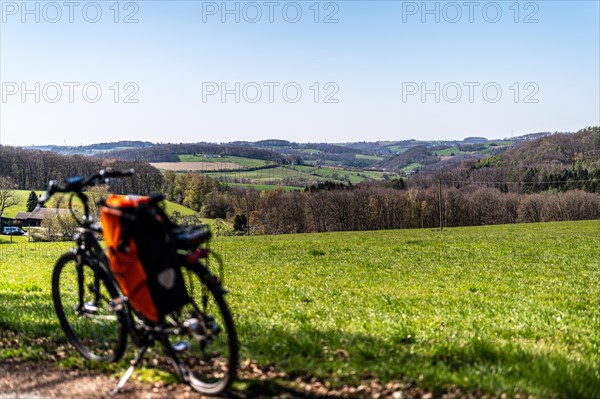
31, 380
28, 380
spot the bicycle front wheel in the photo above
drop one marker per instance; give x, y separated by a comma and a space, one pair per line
206, 349
82, 298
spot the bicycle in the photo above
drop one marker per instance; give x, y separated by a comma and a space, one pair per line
200, 339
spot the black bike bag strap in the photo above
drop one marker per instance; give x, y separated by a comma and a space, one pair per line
125, 238
152, 232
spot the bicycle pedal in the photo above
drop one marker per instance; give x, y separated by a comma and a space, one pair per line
116, 305
181, 346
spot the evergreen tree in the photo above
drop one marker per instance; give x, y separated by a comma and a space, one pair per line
240, 224
32, 201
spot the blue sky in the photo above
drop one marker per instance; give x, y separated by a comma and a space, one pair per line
184, 71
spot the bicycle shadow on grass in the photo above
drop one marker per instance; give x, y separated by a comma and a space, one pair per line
351, 359
30, 312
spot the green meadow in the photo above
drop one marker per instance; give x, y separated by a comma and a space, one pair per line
511, 309
265, 187
305, 173
241, 161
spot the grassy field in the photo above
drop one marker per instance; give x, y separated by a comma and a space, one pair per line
190, 162
412, 166
339, 174
398, 148
243, 162
182, 167
171, 207
448, 151
302, 172
489, 147
260, 175
264, 187
12, 211
264, 179
495, 309
369, 157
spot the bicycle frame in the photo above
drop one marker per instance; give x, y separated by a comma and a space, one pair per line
89, 251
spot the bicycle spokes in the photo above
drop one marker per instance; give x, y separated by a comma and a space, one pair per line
83, 311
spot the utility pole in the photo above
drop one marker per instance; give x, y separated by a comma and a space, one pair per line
440, 205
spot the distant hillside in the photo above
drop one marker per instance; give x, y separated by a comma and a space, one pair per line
171, 152
392, 156
532, 136
415, 155
379, 148
560, 161
91, 149
273, 143
119, 144
556, 149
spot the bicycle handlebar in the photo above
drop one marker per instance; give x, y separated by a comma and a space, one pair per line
76, 184
106, 174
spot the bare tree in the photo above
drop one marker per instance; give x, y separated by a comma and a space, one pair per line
8, 196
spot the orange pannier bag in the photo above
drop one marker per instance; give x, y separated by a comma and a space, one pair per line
126, 266
142, 255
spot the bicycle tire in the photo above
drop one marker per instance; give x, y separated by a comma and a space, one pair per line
209, 371
96, 330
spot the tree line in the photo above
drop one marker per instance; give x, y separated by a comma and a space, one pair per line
394, 204
374, 208
33, 169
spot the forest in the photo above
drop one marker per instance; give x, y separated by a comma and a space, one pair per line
33, 169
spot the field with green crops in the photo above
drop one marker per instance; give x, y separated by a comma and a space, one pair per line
494, 309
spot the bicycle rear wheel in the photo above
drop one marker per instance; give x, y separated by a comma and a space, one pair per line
81, 299
205, 350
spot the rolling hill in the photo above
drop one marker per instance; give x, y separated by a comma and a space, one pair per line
534, 156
